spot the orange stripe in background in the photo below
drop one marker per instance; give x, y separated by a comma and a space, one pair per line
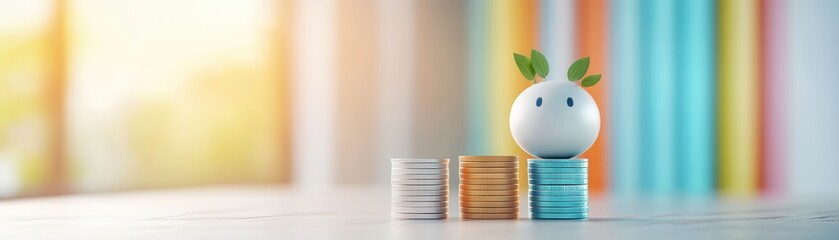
591, 41
57, 177
513, 27
527, 19
283, 65
762, 180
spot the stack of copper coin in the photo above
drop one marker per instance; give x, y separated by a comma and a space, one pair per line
489, 187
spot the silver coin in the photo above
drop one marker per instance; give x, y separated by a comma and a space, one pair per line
419, 171
419, 187
419, 204
420, 193
420, 166
419, 177
419, 216
398, 198
419, 209
418, 182
419, 160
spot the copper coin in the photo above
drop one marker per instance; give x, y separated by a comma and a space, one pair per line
489, 192
489, 204
489, 215
464, 198
488, 170
489, 164
489, 210
489, 181
490, 175
470, 187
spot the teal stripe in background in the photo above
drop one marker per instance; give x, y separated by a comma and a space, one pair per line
695, 96
625, 97
478, 140
657, 96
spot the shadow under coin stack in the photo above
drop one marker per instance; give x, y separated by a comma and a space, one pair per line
489, 187
420, 188
558, 188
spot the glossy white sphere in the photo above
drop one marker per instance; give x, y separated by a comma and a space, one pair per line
555, 119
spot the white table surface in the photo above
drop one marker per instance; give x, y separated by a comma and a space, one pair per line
276, 212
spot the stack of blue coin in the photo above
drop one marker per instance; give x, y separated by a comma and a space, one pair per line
558, 188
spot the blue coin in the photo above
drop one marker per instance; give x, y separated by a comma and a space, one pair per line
532, 169
558, 198
558, 176
559, 215
558, 181
558, 204
559, 193
557, 160
534, 187
559, 209
556, 163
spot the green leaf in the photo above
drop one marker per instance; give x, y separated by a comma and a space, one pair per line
540, 63
525, 66
578, 69
590, 80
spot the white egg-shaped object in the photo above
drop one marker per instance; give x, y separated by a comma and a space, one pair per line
555, 119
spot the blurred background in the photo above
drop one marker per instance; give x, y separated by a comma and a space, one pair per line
698, 97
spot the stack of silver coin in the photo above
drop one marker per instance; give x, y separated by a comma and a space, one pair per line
420, 188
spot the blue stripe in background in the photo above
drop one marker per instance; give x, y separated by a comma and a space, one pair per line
813, 114
657, 94
695, 87
557, 35
625, 97
478, 140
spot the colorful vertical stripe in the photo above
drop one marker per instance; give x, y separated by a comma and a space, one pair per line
658, 156
513, 30
356, 111
774, 96
591, 41
695, 96
738, 89
314, 98
625, 93
440, 84
396, 78
58, 76
478, 130
284, 66
557, 35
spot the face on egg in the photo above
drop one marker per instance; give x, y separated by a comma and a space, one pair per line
555, 119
